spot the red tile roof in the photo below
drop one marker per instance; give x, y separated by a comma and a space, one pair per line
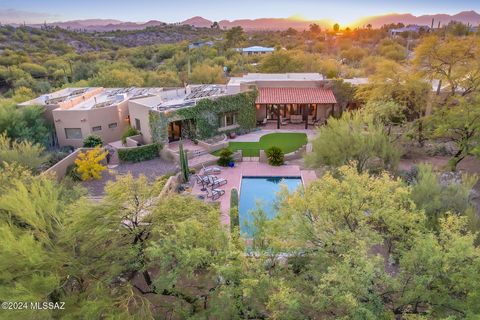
295, 95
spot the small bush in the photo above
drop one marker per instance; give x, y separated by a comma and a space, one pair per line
128, 133
137, 154
275, 156
225, 157
91, 141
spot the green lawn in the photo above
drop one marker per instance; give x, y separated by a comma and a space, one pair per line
288, 142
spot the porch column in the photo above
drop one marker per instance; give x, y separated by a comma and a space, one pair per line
278, 116
307, 112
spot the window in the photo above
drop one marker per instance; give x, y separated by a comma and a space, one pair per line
97, 128
228, 119
73, 133
112, 125
137, 124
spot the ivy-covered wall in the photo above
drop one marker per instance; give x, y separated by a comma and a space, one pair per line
205, 115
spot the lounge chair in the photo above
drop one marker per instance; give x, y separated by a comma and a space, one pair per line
202, 180
211, 170
215, 193
217, 182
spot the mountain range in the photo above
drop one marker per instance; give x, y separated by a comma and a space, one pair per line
471, 17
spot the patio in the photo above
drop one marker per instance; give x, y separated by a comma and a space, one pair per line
252, 169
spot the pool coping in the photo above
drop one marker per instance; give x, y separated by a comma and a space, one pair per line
252, 169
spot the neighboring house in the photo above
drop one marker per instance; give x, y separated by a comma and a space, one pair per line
199, 44
256, 50
411, 28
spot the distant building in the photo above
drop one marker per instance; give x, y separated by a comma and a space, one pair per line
411, 28
256, 50
199, 44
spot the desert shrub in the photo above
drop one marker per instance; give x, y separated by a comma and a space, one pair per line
92, 141
137, 154
275, 156
25, 153
89, 164
225, 157
128, 133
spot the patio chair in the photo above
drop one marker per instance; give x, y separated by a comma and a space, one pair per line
202, 180
215, 193
217, 182
211, 170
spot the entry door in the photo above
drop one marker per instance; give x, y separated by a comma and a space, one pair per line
174, 131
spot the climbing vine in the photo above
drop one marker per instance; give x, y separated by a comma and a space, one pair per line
158, 127
205, 114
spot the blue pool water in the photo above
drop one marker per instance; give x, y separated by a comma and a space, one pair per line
261, 191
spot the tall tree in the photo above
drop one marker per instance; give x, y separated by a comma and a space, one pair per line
454, 61
459, 124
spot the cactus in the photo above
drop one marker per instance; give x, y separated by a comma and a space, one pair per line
183, 163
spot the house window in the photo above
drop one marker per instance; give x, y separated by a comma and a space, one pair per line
112, 125
97, 128
137, 124
228, 119
73, 133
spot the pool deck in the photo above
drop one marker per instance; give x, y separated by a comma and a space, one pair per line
252, 169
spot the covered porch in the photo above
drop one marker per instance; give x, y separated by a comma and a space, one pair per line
294, 106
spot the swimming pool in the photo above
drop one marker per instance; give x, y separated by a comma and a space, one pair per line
261, 190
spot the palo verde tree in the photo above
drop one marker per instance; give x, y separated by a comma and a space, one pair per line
353, 138
454, 61
459, 124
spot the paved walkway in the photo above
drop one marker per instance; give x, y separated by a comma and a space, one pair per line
256, 169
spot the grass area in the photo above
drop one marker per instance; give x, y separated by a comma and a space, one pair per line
288, 142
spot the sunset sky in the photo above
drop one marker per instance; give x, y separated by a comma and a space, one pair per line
344, 12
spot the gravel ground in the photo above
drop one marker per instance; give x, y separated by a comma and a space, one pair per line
151, 169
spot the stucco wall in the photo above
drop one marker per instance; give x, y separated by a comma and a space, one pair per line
87, 119
141, 112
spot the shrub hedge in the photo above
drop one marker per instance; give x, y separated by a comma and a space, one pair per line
137, 154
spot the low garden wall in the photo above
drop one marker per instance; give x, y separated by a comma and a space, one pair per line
215, 146
298, 154
134, 141
59, 169
171, 185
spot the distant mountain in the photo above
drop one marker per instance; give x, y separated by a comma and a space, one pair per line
102, 25
257, 24
198, 22
471, 17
